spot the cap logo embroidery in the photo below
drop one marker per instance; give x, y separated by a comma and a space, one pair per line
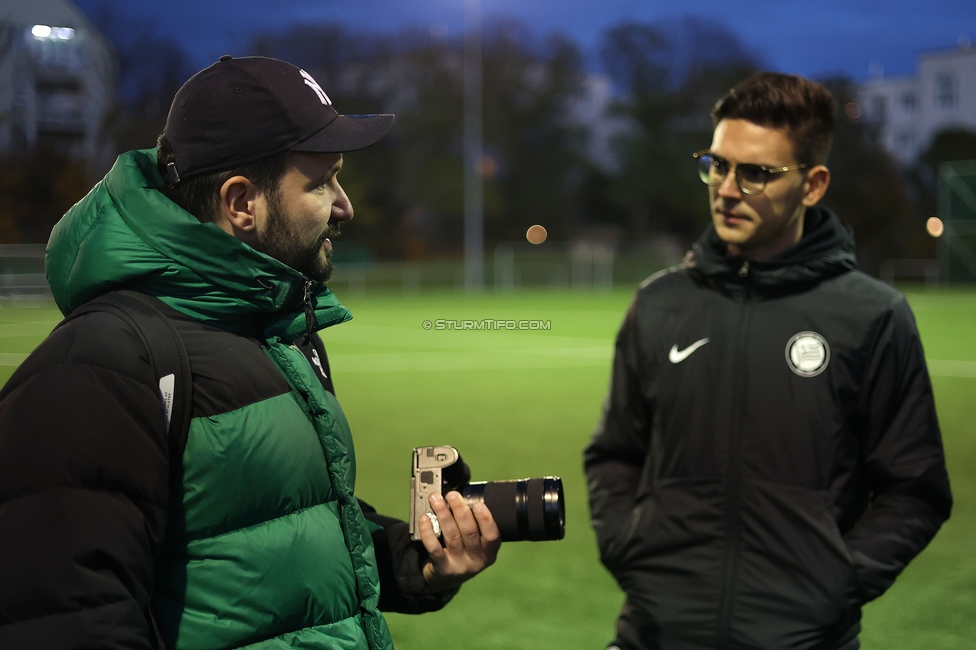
807, 354
311, 83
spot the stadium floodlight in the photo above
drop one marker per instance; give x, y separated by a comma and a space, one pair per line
48, 33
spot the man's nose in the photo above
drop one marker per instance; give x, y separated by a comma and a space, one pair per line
341, 208
729, 187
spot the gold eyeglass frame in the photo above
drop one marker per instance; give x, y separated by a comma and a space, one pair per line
734, 170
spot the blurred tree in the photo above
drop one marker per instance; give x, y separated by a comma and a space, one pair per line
151, 68
408, 189
947, 146
36, 189
868, 190
534, 166
668, 76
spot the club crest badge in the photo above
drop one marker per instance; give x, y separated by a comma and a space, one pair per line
807, 354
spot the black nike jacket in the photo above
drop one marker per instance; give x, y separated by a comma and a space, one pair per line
769, 457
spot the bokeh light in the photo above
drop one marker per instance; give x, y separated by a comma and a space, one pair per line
536, 234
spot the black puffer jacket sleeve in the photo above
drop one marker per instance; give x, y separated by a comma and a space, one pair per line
84, 477
903, 457
400, 562
618, 451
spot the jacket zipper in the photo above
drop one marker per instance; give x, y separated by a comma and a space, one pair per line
724, 626
309, 312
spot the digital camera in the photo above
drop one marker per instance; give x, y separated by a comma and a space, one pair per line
524, 509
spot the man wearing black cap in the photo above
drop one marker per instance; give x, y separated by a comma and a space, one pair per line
242, 528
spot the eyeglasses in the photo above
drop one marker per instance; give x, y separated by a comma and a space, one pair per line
751, 179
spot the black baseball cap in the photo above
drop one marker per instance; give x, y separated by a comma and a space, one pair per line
243, 109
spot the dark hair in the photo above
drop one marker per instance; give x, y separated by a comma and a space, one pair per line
803, 107
200, 195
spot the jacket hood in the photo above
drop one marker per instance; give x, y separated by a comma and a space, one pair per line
825, 250
126, 233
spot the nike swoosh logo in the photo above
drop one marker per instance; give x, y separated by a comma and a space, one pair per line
677, 356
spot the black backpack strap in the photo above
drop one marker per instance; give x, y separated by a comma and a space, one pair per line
167, 354
171, 368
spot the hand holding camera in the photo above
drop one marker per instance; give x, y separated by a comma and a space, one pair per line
524, 509
470, 541
474, 518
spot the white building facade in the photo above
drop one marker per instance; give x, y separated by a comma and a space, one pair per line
57, 79
910, 110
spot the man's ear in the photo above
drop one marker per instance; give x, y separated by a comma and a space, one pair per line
237, 213
818, 179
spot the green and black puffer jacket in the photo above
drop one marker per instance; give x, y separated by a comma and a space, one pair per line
258, 542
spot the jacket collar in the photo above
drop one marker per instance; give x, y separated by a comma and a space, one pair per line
825, 250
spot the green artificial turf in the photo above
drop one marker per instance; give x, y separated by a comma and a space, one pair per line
515, 404
23, 325
523, 403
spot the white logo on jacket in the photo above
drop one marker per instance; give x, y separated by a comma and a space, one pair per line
677, 356
807, 354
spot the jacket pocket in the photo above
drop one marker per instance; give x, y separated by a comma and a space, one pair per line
794, 564
670, 563
612, 548
673, 526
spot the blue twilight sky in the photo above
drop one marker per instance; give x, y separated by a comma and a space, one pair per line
809, 38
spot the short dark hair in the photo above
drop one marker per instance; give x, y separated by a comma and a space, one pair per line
200, 195
804, 108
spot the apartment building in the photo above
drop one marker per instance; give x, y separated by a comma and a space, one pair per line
57, 79
909, 110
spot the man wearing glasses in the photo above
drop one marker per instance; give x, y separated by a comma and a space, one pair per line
769, 457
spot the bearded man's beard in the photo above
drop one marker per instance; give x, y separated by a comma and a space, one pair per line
291, 246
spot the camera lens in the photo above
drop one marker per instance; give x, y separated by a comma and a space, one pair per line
524, 509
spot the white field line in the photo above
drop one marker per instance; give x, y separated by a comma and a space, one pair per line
11, 358
26, 329
951, 368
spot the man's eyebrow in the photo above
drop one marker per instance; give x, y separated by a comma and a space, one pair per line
746, 164
332, 171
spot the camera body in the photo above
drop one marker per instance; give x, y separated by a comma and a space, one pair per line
427, 478
524, 509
